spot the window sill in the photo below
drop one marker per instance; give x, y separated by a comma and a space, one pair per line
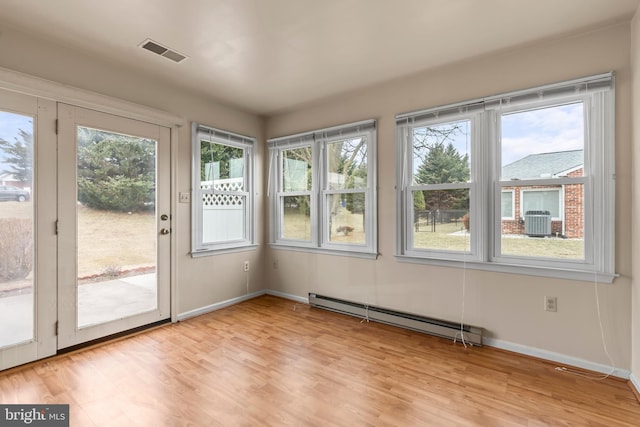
222, 251
335, 252
581, 275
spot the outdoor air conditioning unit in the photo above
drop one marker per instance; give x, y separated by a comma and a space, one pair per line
537, 223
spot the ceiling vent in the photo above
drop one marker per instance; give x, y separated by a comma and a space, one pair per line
164, 51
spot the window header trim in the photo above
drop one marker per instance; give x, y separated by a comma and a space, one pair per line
330, 132
222, 135
576, 87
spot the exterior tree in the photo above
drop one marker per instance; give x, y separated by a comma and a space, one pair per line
444, 164
302, 155
19, 156
217, 154
348, 159
115, 172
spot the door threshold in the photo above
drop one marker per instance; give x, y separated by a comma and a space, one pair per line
113, 337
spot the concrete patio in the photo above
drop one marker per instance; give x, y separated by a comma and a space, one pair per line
98, 302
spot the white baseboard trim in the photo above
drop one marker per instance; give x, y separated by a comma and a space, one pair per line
636, 383
304, 300
219, 305
561, 359
232, 301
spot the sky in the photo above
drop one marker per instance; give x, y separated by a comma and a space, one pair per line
9, 125
547, 130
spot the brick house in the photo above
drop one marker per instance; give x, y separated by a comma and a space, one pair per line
565, 202
10, 180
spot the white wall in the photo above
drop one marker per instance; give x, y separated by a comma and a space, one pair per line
509, 306
635, 304
201, 281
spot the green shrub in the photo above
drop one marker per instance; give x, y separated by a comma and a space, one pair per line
16, 248
118, 193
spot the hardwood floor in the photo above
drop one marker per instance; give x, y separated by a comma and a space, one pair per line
263, 363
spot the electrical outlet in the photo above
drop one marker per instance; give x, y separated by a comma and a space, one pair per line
185, 197
551, 304
246, 266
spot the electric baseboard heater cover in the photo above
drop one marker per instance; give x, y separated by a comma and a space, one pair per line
427, 325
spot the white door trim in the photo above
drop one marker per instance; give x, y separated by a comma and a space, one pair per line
42, 88
35, 86
71, 332
44, 199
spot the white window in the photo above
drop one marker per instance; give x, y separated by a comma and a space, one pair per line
322, 190
542, 200
439, 181
538, 181
508, 206
222, 205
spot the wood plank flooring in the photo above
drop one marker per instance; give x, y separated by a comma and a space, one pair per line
263, 363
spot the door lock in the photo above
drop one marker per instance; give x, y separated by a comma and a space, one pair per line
164, 217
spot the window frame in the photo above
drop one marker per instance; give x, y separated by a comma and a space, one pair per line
320, 192
406, 155
559, 190
199, 247
513, 205
598, 96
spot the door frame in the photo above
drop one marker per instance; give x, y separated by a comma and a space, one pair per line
44, 199
70, 118
50, 91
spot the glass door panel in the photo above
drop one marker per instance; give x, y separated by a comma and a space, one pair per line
17, 296
27, 229
116, 229
114, 225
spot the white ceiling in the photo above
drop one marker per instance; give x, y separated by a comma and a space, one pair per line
267, 56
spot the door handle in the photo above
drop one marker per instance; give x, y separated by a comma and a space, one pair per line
165, 231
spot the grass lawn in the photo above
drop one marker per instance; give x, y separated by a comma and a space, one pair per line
107, 241
297, 226
110, 241
445, 239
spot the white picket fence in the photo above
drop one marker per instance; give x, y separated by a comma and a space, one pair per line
223, 209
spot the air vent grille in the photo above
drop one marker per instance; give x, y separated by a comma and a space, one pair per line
157, 48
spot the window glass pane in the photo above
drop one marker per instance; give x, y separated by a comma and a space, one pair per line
441, 153
296, 169
347, 163
16, 229
116, 224
222, 165
296, 217
507, 204
541, 200
543, 229
543, 143
223, 217
222, 170
347, 218
441, 220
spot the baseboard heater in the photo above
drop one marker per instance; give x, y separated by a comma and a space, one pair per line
440, 328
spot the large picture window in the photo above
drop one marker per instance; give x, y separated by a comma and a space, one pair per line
222, 197
322, 190
525, 179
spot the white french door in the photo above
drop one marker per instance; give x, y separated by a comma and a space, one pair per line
114, 224
28, 297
